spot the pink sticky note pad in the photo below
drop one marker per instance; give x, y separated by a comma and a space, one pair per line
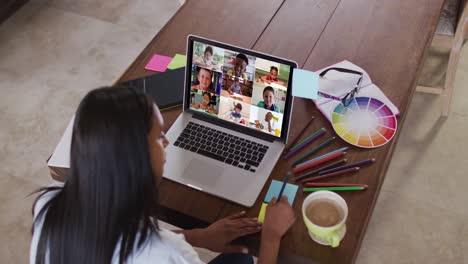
158, 63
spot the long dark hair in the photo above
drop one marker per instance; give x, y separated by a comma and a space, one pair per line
111, 193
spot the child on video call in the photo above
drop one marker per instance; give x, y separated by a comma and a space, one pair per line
236, 114
205, 104
269, 123
268, 100
272, 77
235, 87
240, 65
207, 59
204, 81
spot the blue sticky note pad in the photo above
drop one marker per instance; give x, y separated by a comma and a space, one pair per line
305, 84
275, 187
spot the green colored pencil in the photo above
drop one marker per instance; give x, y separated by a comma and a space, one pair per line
350, 188
317, 148
307, 138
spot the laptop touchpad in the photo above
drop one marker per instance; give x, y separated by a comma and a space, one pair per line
202, 172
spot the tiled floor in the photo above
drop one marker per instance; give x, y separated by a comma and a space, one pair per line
53, 51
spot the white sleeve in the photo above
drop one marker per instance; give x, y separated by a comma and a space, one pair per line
39, 222
46, 197
166, 248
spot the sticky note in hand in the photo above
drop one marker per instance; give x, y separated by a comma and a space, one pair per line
158, 63
290, 191
275, 187
178, 61
261, 215
305, 84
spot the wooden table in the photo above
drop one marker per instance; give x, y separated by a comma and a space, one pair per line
389, 39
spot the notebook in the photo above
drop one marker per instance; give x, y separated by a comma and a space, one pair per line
339, 84
172, 82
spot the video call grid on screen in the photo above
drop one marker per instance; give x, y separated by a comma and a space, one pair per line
239, 88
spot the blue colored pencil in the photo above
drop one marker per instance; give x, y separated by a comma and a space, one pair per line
285, 181
347, 166
317, 148
317, 134
322, 156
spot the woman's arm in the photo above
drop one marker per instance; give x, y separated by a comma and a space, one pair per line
59, 174
279, 217
218, 236
192, 236
269, 248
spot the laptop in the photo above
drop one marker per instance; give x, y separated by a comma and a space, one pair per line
235, 121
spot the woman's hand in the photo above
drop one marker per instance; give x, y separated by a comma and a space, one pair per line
219, 235
279, 218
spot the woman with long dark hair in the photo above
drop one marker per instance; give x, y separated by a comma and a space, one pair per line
106, 211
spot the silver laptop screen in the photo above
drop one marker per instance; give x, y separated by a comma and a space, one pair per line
239, 88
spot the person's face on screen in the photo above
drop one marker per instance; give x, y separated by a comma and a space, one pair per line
273, 73
157, 141
206, 99
204, 78
208, 56
237, 110
239, 67
268, 98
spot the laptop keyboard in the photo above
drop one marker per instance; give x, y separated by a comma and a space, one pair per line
218, 145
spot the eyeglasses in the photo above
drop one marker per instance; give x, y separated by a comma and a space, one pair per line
348, 98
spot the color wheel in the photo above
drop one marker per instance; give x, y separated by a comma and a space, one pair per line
365, 122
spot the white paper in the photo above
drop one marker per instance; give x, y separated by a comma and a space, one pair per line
339, 84
61, 156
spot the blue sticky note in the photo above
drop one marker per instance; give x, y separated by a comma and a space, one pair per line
305, 84
275, 187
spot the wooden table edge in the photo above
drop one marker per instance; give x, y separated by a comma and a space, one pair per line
389, 155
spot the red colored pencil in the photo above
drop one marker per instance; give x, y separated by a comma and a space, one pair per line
329, 184
336, 173
318, 162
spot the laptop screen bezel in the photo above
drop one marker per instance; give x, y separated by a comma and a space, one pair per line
216, 120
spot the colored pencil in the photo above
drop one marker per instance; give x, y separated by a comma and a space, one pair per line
306, 139
347, 166
336, 173
309, 140
326, 167
285, 181
322, 156
329, 184
350, 188
318, 162
317, 148
302, 141
299, 136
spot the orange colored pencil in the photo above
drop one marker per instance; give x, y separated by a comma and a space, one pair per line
336, 173
329, 184
318, 162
